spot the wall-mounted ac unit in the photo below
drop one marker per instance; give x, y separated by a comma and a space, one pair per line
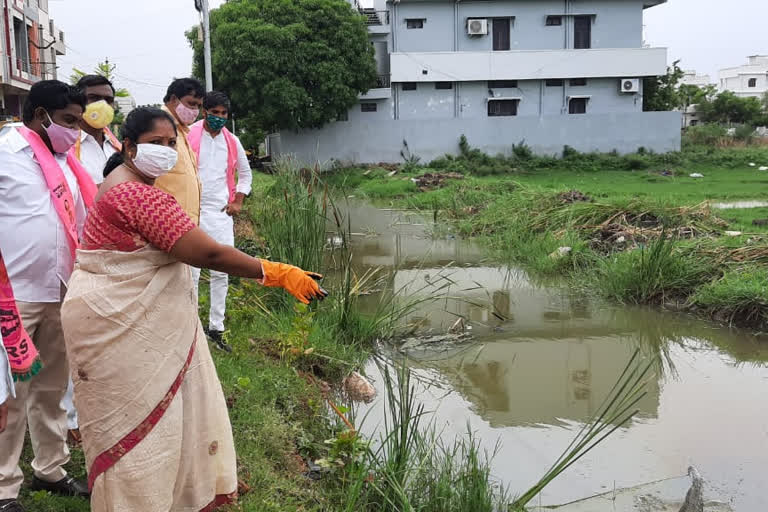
477, 27
629, 85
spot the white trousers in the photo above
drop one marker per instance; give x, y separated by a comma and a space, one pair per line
219, 226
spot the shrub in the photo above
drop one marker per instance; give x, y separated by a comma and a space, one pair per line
705, 134
569, 152
522, 151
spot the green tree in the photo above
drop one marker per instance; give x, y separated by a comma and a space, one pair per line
107, 70
728, 108
288, 64
662, 92
764, 101
693, 94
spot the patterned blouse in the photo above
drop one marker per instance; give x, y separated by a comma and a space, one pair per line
132, 215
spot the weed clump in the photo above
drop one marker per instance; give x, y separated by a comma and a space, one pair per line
740, 296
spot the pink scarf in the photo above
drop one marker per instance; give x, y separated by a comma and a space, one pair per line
196, 134
57, 184
22, 354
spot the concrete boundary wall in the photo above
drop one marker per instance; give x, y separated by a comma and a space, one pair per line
382, 140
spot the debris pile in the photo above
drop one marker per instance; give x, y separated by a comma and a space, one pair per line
574, 196
431, 180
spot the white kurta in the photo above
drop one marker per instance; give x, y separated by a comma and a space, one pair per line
215, 222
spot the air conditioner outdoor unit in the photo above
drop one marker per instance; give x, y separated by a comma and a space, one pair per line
629, 85
477, 27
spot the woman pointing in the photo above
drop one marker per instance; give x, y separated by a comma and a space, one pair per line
155, 426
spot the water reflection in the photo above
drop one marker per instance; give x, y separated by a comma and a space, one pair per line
543, 359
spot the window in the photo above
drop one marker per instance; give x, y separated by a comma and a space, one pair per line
582, 32
554, 21
577, 106
367, 107
498, 108
578, 82
443, 85
753, 82
502, 84
501, 34
415, 22
554, 82
409, 86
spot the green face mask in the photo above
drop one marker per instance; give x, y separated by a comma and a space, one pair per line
215, 123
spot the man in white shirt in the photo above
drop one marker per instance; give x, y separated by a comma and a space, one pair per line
38, 255
96, 144
220, 154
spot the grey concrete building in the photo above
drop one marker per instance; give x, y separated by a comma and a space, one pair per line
549, 72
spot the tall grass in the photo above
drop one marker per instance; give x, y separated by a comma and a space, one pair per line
292, 218
652, 274
410, 468
741, 296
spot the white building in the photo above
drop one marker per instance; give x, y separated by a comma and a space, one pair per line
750, 80
691, 77
125, 104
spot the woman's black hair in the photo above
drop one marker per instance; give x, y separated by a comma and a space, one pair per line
51, 95
92, 81
184, 87
215, 99
139, 121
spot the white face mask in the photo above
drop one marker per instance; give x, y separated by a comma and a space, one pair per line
153, 160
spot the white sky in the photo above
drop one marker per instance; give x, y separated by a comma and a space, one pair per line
145, 38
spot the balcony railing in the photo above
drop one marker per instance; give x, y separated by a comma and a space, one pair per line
374, 17
383, 82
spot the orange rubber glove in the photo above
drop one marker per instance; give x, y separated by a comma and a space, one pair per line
299, 283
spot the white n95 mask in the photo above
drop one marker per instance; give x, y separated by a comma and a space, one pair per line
153, 160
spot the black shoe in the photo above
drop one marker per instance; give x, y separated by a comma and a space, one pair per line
215, 336
10, 506
67, 486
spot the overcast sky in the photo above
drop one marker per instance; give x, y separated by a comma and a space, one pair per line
145, 38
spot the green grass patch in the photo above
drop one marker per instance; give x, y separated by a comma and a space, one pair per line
739, 297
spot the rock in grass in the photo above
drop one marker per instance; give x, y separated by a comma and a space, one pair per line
733, 233
696, 175
561, 252
358, 388
762, 168
760, 222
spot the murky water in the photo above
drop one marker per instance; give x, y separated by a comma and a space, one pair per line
740, 204
542, 360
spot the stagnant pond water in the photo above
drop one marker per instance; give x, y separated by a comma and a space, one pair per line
543, 358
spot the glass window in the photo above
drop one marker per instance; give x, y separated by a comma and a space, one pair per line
577, 106
502, 84
498, 108
415, 22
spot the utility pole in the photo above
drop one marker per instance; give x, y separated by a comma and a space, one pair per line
202, 8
